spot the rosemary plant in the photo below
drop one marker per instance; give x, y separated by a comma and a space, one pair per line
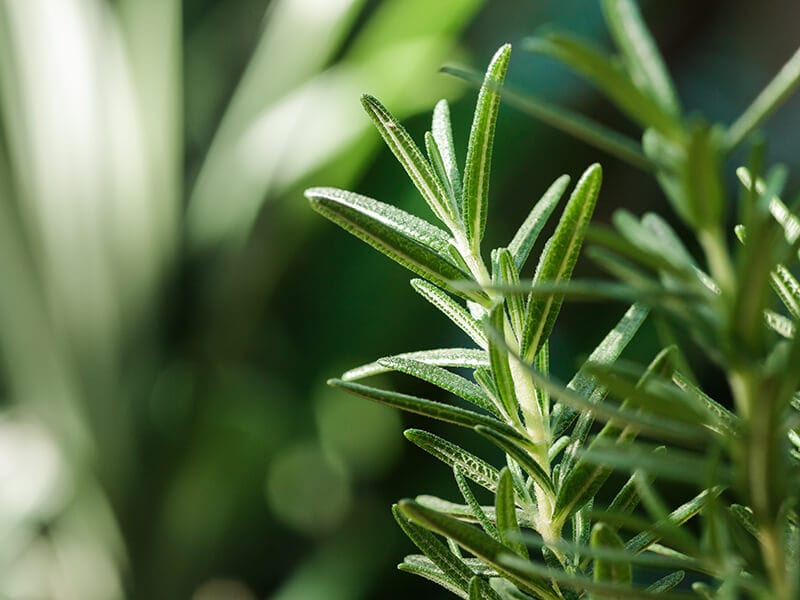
547, 535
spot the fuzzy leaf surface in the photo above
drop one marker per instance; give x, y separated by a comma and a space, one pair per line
479, 151
558, 260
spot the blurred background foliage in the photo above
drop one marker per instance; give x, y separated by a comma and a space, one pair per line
170, 309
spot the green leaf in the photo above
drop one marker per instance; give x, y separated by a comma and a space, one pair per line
477, 510
568, 121
526, 236
464, 358
580, 584
615, 571
581, 482
515, 448
406, 151
455, 384
770, 98
606, 352
677, 517
558, 260
498, 359
443, 136
667, 583
508, 274
779, 324
452, 567
673, 464
506, 511
452, 310
479, 151
437, 162
704, 177
640, 54
430, 573
421, 406
609, 77
470, 465
480, 590
408, 240
723, 421
478, 543
464, 512
787, 288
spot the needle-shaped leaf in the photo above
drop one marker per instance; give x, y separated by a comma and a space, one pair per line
470, 465
421, 406
506, 511
437, 162
443, 136
452, 566
672, 464
667, 583
409, 240
781, 325
479, 151
651, 535
498, 359
580, 584
480, 590
723, 421
464, 358
507, 273
455, 384
581, 482
430, 572
526, 236
608, 76
464, 512
516, 449
640, 54
480, 544
558, 260
570, 122
452, 310
787, 288
770, 98
615, 571
409, 155
472, 502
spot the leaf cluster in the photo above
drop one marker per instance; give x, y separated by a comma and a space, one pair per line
547, 535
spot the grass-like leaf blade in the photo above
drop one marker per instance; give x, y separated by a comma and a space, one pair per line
640, 54
479, 151
558, 260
